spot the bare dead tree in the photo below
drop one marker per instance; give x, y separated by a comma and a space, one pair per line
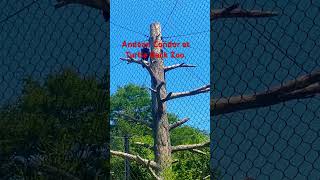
303, 87
160, 125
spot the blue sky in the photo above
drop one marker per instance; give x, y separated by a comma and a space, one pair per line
189, 22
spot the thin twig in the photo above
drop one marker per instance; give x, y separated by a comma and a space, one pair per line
202, 89
168, 68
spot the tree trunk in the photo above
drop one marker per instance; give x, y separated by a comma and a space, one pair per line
162, 145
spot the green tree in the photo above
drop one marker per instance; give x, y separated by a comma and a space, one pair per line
58, 128
135, 103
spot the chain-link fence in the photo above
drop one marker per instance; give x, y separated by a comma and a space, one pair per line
181, 21
53, 91
267, 133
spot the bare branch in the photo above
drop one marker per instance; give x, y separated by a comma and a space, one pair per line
151, 165
143, 63
147, 123
154, 174
235, 11
198, 151
168, 68
302, 87
136, 158
189, 147
132, 60
178, 123
203, 89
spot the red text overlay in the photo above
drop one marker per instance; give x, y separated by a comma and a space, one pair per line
156, 44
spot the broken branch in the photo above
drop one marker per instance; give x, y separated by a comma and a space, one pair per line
168, 68
203, 89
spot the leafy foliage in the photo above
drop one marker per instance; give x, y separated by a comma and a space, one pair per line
54, 123
61, 123
135, 101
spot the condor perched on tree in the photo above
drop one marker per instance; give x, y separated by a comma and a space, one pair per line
145, 53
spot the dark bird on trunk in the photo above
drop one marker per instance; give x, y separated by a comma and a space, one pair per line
145, 53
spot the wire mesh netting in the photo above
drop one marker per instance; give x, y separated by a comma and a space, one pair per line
174, 29
250, 56
181, 21
53, 91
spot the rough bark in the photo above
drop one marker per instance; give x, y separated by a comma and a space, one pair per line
162, 144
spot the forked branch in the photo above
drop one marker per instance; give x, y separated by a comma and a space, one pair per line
235, 11
200, 90
305, 86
